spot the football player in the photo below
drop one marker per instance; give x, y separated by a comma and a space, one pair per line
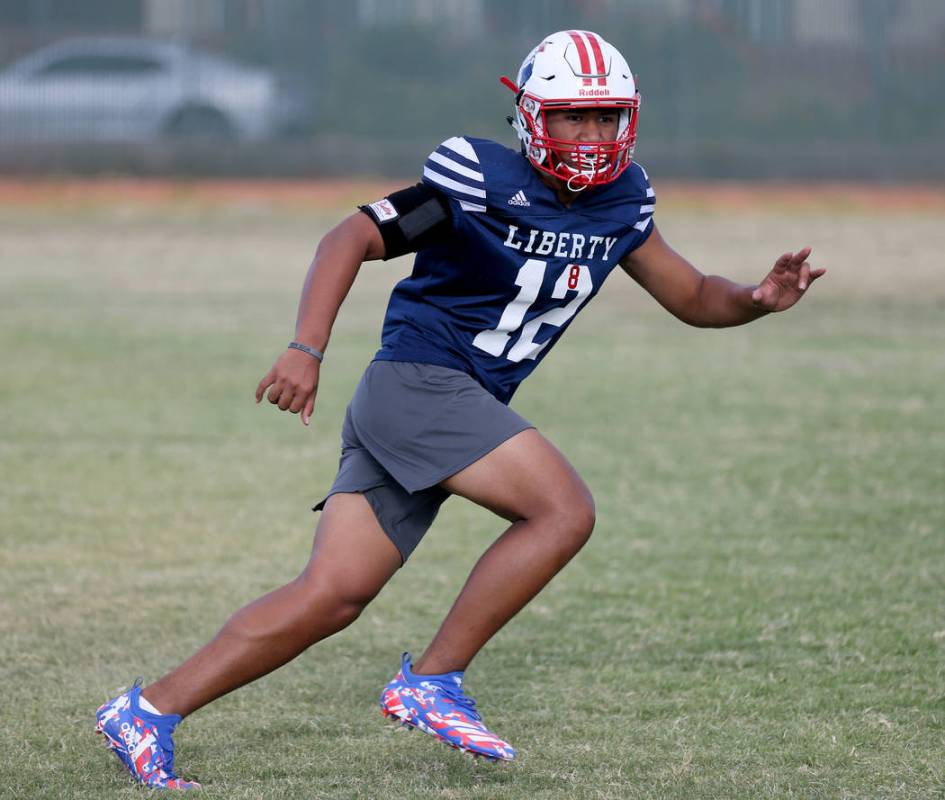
510, 245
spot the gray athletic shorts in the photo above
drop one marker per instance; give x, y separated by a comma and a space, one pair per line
408, 427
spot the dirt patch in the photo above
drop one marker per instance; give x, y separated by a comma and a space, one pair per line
716, 197
854, 198
161, 193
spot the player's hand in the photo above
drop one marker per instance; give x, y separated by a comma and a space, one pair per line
786, 283
292, 383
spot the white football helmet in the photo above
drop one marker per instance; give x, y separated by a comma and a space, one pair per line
579, 70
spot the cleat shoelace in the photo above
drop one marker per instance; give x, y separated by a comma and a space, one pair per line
464, 701
166, 744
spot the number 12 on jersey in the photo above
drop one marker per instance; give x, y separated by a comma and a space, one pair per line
574, 278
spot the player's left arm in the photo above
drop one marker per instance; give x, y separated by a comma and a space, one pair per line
711, 301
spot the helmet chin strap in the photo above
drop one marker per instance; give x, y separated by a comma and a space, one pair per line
574, 186
580, 179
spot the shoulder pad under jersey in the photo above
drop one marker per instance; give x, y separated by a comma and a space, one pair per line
645, 193
454, 169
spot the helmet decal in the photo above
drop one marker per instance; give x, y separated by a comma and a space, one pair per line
526, 71
586, 74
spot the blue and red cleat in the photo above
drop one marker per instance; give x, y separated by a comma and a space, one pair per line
141, 740
436, 705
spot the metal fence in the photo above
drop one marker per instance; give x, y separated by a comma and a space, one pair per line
739, 88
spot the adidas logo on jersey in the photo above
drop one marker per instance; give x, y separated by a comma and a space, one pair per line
519, 199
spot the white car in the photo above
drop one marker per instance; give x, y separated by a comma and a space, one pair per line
129, 89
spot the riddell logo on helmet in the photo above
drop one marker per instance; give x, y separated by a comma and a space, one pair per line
593, 92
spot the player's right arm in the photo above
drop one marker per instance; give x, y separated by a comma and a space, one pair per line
405, 221
293, 380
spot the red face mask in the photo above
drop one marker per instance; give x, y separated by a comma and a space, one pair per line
579, 163
575, 70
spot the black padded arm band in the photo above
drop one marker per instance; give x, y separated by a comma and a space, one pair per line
411, 219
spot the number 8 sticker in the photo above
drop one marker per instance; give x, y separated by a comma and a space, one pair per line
575, 277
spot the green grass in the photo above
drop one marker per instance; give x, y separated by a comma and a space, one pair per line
760, 612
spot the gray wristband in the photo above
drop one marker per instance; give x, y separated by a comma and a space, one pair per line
316, 354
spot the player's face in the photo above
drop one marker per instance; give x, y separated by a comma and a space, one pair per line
583, 125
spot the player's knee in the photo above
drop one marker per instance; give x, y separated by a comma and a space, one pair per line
582, 519
573, 518
338, 606
345, 612
337, 612
586, 519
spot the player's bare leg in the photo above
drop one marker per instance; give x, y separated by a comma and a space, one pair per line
352, 558
526, 480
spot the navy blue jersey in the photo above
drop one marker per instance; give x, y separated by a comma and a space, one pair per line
493, 298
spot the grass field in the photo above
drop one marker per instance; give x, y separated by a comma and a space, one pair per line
761, 610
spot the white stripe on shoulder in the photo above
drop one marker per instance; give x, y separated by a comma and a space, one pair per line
459, 145
647, 209
447, 183
642, 170
641, 225
453, 166
650, 192
471, 206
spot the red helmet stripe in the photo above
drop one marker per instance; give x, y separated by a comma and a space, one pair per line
582, 54
599, 58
